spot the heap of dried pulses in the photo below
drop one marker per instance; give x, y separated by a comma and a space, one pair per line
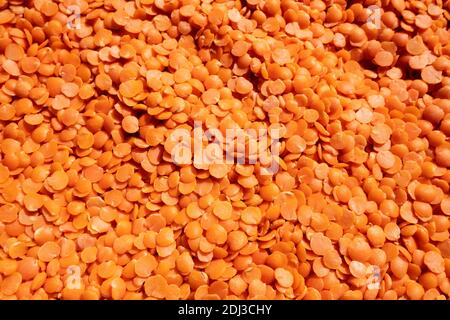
104, 105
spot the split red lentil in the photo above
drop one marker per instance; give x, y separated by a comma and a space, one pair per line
93, 204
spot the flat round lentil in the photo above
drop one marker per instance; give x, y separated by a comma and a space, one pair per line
130, 124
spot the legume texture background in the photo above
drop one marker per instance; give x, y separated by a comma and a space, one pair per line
94, 204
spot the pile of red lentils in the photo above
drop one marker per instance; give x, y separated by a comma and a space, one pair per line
93, 205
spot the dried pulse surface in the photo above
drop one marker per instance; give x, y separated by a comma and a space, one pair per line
97, 200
